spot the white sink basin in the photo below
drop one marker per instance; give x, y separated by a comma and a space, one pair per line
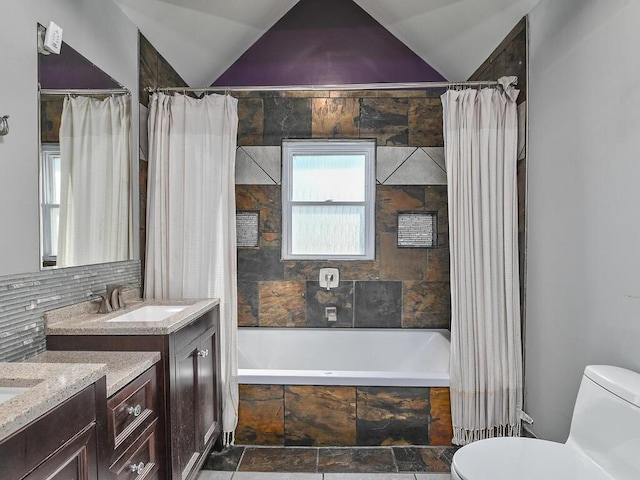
149, 313
7, 393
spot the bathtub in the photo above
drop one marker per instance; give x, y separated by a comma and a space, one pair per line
343, 356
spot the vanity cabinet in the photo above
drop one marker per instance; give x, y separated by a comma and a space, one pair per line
188, 404
60, 445
196, 398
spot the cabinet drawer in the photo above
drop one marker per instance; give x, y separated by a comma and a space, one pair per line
140, 460
132, 407
193, 330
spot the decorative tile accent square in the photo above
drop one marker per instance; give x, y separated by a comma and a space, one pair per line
258, 165
378, 304
418, 169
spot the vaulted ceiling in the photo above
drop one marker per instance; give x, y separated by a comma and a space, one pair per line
202, 38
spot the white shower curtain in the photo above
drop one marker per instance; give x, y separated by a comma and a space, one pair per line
95, 191
191, 229
480, 131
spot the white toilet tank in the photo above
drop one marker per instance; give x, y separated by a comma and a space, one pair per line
606, 420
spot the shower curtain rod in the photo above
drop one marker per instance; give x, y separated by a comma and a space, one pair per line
350, 86
85, 91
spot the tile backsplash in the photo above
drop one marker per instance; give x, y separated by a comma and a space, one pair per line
25, 297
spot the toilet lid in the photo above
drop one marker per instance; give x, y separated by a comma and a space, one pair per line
524, 459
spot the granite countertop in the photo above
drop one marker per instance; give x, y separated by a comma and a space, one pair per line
49, 385
77, 320
122, 367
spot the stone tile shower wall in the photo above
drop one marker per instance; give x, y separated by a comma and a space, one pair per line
25, 297
402, 287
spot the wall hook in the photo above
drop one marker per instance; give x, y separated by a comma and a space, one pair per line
4, 125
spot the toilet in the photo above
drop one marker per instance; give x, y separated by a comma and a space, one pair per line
603, 443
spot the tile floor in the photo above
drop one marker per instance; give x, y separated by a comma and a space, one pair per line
213, 475
329, 463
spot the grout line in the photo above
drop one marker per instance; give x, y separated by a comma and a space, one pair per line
244, 449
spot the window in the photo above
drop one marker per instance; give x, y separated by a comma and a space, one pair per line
50, 174
328, 199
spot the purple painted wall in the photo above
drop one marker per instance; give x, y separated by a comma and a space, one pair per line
70, 69
321, 42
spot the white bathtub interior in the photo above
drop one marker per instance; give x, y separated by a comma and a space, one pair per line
344, 356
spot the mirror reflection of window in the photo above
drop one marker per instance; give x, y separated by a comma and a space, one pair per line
50, 169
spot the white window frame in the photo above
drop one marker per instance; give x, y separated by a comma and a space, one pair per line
49, 150
366, 147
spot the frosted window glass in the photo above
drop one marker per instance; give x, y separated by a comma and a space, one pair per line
328, 178
328, 230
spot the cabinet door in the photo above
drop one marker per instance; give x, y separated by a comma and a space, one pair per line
185, 419
208, 389
76, 460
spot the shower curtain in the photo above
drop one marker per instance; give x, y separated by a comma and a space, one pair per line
191, 229
95, 191
480, 131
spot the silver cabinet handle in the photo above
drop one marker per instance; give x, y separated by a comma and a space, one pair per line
137, 468
203, 353
135, 411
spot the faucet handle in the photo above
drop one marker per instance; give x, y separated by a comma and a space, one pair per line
105, 305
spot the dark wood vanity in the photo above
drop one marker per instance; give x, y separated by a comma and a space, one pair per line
62, 444
163, 424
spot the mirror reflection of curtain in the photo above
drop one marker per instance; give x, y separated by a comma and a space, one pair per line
95, 199
191, 225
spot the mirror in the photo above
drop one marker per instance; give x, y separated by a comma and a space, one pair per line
85, 162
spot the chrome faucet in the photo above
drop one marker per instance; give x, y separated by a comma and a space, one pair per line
112, 300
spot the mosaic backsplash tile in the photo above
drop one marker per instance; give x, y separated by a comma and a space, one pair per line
25, 297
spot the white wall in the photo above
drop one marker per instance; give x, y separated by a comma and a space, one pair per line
583, 297
103, 34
